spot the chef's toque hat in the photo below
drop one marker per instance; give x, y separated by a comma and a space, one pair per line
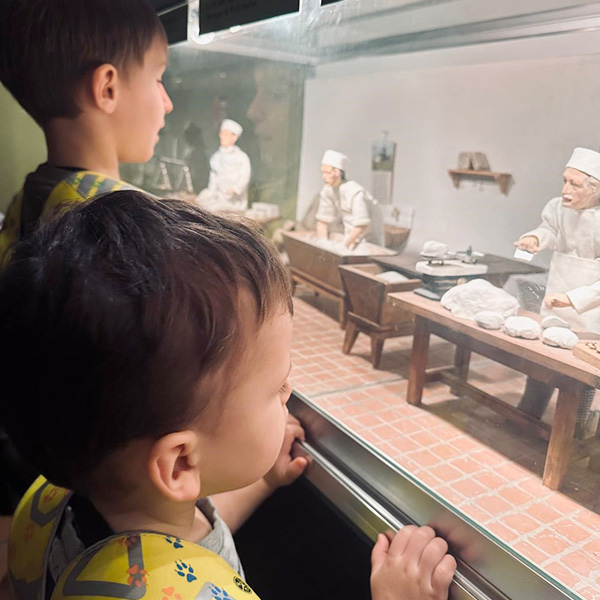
335, 159
585, 160
231, 125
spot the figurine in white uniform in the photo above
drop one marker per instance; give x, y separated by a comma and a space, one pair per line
571, 227
229, 173
342, 200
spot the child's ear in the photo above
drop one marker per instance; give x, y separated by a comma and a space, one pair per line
174, 466
105, 87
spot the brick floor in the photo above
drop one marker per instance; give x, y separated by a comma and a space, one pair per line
464, 451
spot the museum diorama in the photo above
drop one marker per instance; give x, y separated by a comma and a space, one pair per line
429, 172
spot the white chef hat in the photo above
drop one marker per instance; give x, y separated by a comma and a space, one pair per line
335, 159
585, 160
231, 125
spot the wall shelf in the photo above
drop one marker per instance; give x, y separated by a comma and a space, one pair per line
502, 179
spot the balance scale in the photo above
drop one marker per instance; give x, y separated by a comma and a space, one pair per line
451, 268
440, 273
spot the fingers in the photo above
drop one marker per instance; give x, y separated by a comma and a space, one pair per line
400, 542
432, 554
417, 543
379, 553
443, 573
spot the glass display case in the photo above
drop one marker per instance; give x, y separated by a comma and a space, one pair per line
459, 118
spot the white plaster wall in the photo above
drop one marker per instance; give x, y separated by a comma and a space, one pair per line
526, 105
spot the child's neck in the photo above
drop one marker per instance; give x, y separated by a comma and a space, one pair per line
75, 143
178, 519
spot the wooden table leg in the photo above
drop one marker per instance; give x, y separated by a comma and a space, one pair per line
350, 337
418, 362
462, 357
342, 313
376, 350
561, 437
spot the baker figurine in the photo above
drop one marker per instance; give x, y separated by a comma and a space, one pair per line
229, 172
342, 201
571, 227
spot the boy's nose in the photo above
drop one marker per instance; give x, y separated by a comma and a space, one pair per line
167, 102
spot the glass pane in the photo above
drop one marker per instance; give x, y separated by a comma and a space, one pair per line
453, 123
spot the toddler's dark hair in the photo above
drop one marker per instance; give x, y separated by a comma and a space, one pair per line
111, 315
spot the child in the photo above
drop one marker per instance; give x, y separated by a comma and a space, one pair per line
89, 72
146, 353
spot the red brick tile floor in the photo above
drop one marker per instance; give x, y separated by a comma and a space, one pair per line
463, 451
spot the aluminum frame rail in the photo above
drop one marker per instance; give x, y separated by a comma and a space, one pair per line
376, 494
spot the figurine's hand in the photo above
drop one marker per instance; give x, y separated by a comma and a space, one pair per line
413, 566
529, 243
557, 301
230, 192
287, 469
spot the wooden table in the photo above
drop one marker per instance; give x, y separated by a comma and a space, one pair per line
554, 366
317, 267
499, 270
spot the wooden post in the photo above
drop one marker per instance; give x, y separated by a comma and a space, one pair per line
561, 437
462, 357
418, 362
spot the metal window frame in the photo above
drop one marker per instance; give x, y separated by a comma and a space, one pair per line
376, 494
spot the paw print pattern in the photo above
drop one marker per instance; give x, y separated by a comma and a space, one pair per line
184, 570
128, 541
170, 594
50, 495
137, 576
175, 541
29, 532
219, 593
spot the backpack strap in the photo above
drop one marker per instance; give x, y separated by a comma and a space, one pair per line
79, 187
139, 565
32, 530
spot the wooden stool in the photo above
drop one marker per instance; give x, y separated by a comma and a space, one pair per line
377, 333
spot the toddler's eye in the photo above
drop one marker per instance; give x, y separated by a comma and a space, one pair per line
285, 388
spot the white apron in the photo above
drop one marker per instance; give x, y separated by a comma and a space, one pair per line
567, 273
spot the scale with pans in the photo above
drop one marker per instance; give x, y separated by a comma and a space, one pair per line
452, 264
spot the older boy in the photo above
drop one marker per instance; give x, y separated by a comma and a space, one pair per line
89, 73
161, 337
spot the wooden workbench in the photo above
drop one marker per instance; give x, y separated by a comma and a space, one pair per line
554, 366
499, 270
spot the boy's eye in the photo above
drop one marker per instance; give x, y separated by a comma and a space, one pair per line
285, 388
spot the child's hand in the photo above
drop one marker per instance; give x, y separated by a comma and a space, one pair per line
529, 243
287, 469
413, 566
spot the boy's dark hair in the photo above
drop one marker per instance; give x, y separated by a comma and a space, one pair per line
47, 47
112, 314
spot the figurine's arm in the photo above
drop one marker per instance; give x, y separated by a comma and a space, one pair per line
322, 229
360, 219
243, 178
548, 231
212, 179
354, 236
585, 297
326, 214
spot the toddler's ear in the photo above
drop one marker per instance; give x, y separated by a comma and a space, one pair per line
174, 466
